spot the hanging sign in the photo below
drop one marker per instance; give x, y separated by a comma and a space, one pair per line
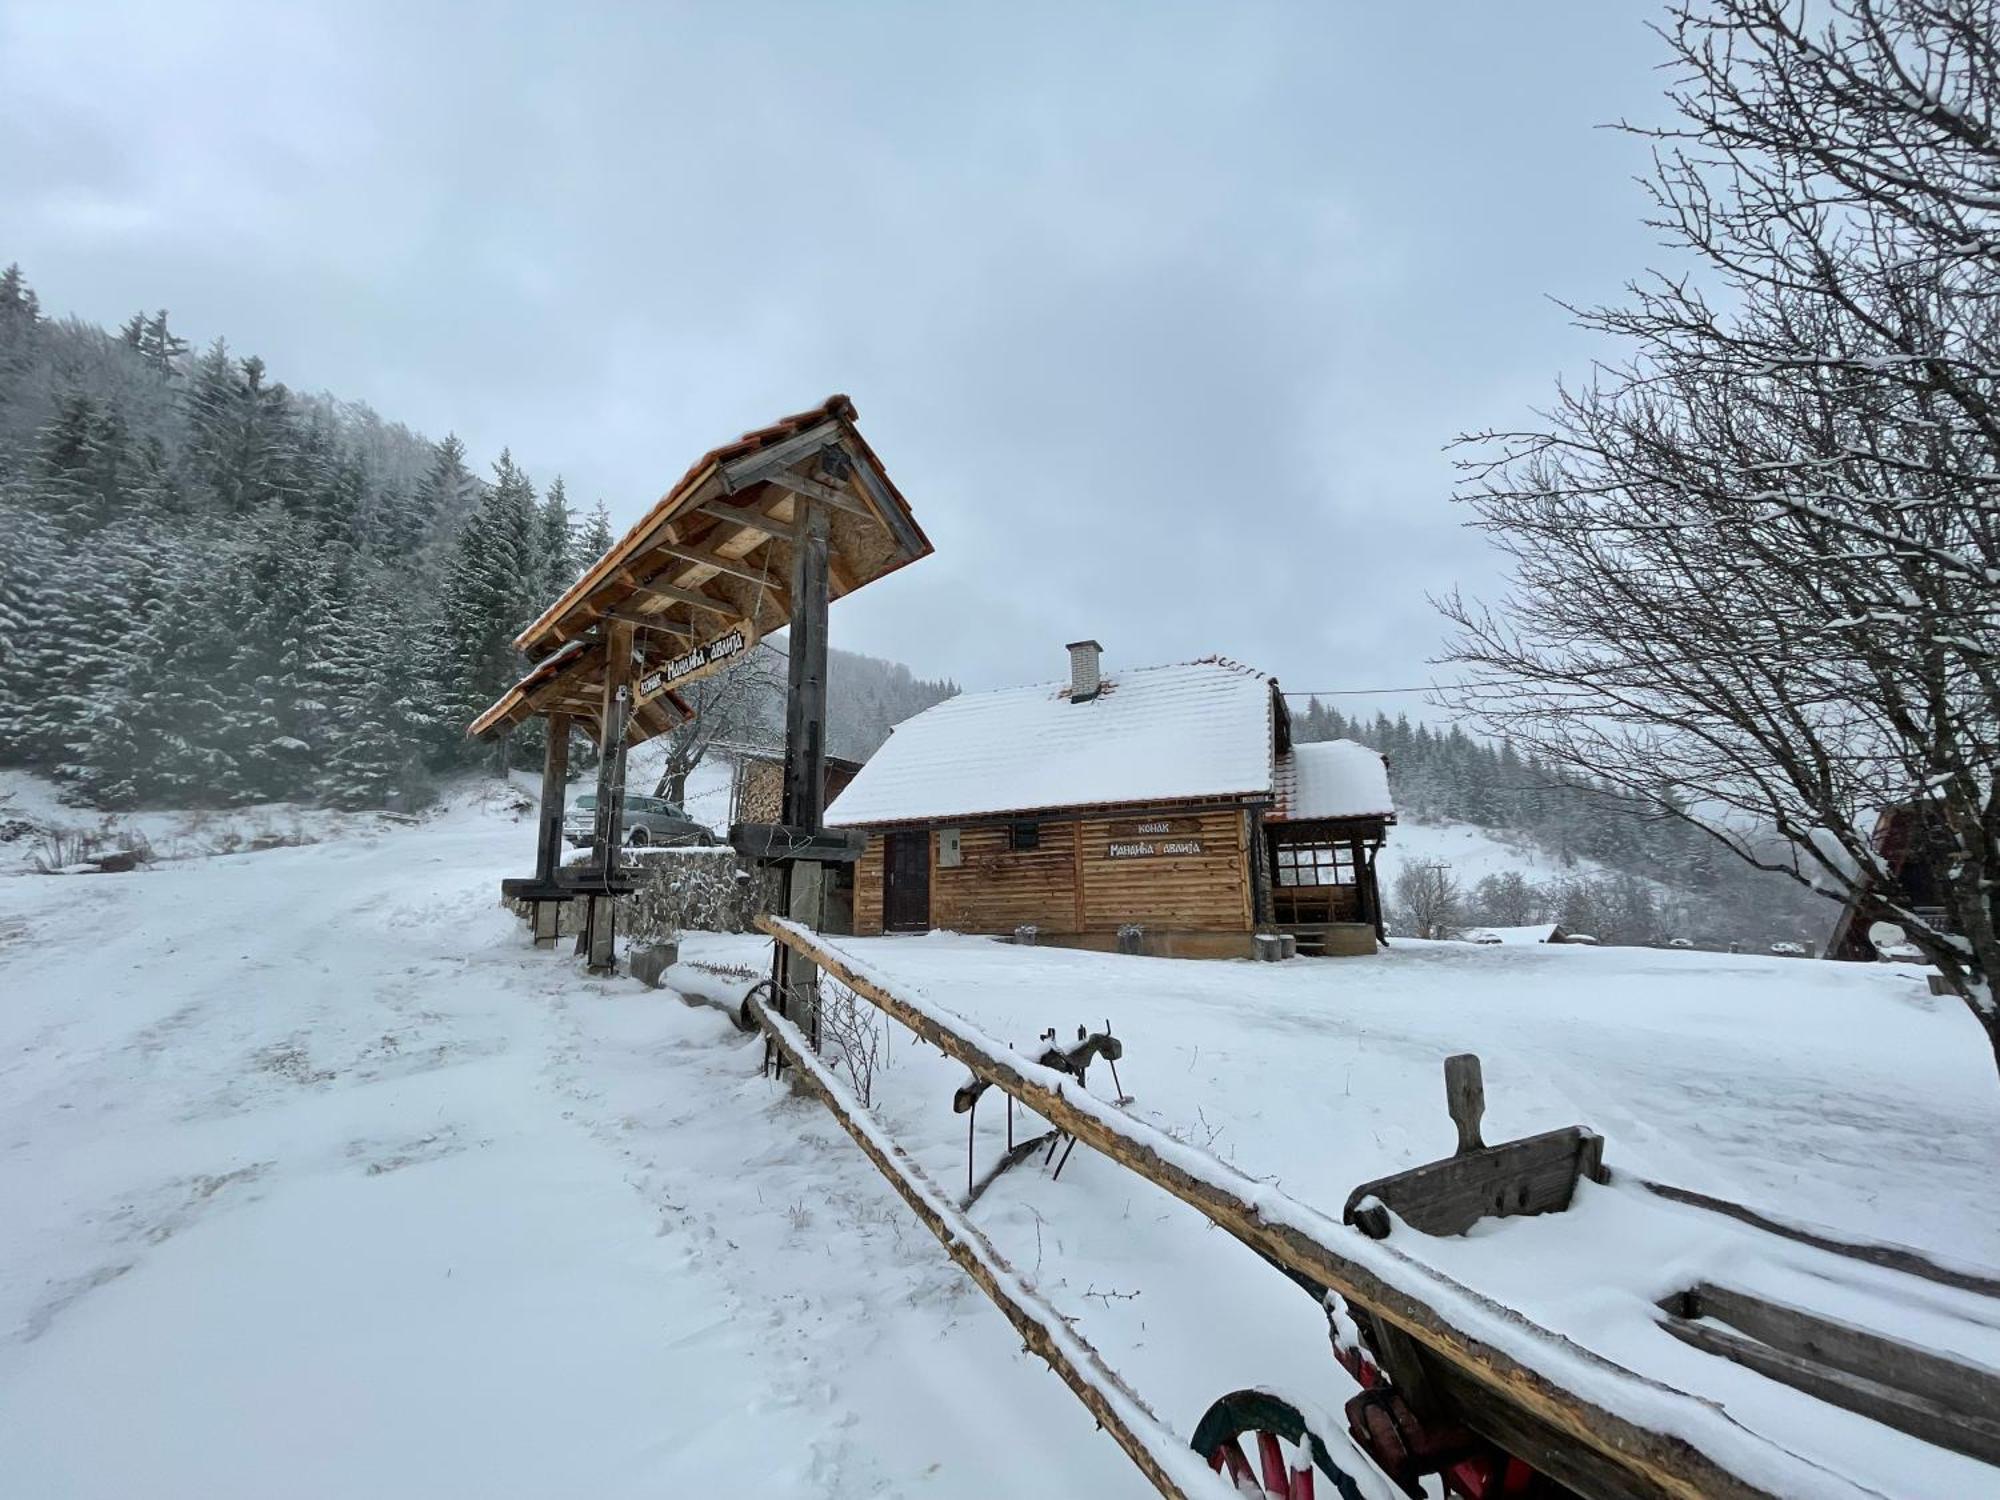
698, 661
1163, 848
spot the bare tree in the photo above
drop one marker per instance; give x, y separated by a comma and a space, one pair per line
1756, 566
1508, 899
1428, 900
736, 704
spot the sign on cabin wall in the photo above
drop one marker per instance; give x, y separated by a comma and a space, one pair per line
1159, 848
698, 661
1155, 828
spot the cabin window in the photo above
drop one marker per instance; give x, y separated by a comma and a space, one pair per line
1315, 864
1024, 836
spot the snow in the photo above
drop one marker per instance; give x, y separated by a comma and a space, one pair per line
1836, 1094
321, 1181
30, 800
1472, 852
1334, 779
1201, 729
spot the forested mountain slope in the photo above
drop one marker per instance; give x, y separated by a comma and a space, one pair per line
1591, 859
218, 590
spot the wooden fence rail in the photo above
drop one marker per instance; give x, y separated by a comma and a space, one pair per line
1161, 1455
1585, 1440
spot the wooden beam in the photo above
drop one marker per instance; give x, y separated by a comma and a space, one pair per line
733, 566
641, 621
813, 489
1652, 1461
1919, 1413
599, 936
761, 518
876, 488
741, 473
693, 598
555, 783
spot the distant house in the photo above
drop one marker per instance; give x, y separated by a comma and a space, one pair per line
1538, 932
1164, 804
1915, 847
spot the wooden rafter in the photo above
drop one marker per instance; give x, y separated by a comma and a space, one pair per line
735, 567
693, 598
813, 489
642, 621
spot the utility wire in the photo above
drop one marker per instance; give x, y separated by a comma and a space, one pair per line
1430, 687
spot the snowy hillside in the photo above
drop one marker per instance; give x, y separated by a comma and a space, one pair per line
1473, 853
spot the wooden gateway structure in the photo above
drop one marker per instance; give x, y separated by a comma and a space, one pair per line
1160, 810
759, 535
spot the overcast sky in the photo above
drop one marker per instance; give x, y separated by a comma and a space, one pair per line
1160, 316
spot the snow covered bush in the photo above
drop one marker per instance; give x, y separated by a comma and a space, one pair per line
853, 1035
695, 889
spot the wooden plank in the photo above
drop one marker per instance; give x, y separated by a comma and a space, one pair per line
555, 782
1902, 1366
805, 699
598, 939
726, 648
876, 488
1076, 867
1465, 1098
1534, 1175
734, 567
741, 473
652, 623
762, 519
1655, 1463
826, 494
694, 598
1160, 1454
1976, 1436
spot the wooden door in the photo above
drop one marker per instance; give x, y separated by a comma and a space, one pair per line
906, 881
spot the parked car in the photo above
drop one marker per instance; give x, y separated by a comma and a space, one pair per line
648, 820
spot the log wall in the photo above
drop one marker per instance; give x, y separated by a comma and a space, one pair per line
1072, 884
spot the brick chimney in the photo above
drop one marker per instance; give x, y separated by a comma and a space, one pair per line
1084, 680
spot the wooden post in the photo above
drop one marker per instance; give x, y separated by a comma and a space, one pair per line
805, 752
555, 783
600, 928
1465, 1097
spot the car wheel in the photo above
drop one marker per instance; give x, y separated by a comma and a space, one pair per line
639, 838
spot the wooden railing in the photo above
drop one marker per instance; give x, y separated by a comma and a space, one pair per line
1672, 1451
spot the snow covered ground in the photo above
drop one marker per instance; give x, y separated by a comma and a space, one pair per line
320, 1181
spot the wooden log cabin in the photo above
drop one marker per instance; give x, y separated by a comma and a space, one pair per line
1162, 810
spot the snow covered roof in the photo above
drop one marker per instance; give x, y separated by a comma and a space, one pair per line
1333, 779
1153, 734
1539, 932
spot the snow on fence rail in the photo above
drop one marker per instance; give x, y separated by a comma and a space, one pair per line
1645, 1438
1161, 1455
